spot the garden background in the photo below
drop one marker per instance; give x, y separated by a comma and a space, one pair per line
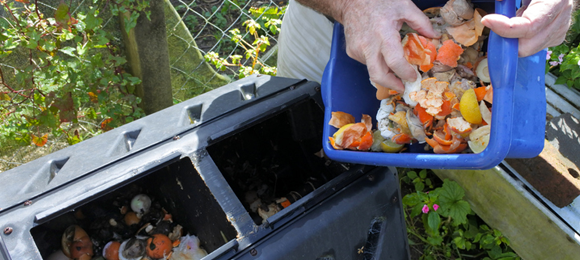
48, 47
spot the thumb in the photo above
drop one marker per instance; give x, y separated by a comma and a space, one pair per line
515, 27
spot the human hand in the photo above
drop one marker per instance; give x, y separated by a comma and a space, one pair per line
372, 37
538, 24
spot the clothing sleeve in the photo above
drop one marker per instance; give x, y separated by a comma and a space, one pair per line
304, 43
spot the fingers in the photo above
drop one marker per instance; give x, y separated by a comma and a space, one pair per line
420, 22
381, 74
516, 27
552, 35
541, 24
394, 58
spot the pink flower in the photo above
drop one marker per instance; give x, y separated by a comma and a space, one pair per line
425, 209
561, 58
554, 63
548, 55
435, 207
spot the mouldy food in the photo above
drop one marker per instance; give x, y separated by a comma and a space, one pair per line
76, 243
448, 101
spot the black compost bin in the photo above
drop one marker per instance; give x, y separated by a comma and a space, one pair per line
239, 167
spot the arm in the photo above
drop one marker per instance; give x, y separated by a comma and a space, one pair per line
538, 24
372, 34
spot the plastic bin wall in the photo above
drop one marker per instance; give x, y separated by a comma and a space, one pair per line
195, 160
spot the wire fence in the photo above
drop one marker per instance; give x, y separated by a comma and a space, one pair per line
208, 23
194, 28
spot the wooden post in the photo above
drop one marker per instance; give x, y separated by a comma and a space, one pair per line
148, 58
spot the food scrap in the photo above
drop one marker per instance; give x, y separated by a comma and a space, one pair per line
448, 107
140, 229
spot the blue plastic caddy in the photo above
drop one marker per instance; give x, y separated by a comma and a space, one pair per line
518, 113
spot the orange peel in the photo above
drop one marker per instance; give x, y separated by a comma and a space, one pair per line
449, 53
414, 51
402, 138
465, 33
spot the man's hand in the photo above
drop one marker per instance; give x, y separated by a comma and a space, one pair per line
372, 35
538, 24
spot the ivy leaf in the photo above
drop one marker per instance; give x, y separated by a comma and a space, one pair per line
39, 141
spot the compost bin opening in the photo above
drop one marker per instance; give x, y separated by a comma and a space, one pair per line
275, 162
175, 187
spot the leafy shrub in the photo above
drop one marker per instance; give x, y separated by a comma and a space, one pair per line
73, 73
443, 221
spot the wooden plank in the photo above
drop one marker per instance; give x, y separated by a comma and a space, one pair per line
534, 232
558, 102
552, 111
567, 93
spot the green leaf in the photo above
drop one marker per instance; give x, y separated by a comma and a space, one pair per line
25, 139
459, 242
73, 140
435, 241
419, 186
69, 51
92, 21
433, 221
495, 252
48, 119
411, 199
423, 174
131, 22
477, 237
412, 175
451, 192
416, 210
91, 113
61, 14
452, 203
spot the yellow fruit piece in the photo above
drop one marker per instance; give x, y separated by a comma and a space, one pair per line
340, 130
479, 139
469, 107
389, 146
